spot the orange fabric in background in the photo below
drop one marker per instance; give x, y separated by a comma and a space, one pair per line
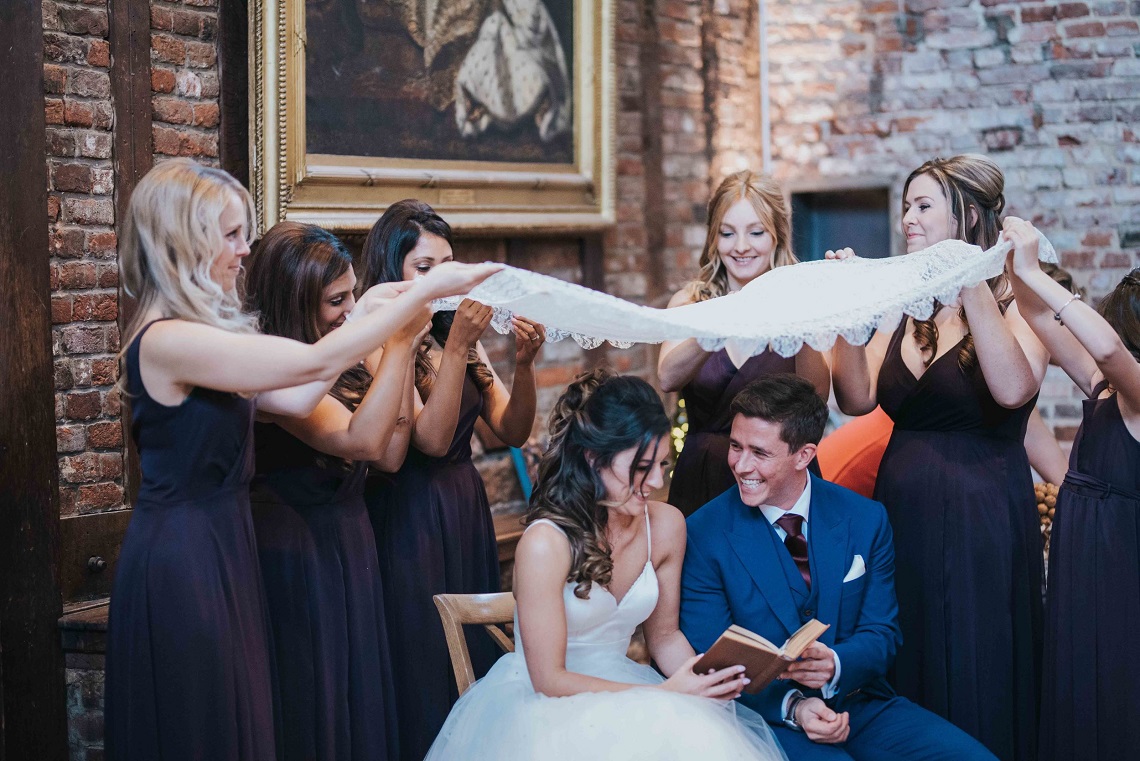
851, 454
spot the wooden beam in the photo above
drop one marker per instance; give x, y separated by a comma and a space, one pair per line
233, 73
652, 157
34, 721
592, 259
133, 151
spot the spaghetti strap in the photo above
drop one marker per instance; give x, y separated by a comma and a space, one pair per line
548, 522
648, 536
138, 336
1099, 388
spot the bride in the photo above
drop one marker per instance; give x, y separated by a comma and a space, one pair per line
597, 559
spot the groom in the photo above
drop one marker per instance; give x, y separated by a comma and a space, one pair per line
782, 547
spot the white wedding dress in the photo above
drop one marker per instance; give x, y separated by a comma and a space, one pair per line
501, 717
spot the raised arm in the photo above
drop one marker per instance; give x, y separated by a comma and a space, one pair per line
435, 421
855, 373
363, 434
1085, 345
679, 361
178, 355
510, 415
1011, 358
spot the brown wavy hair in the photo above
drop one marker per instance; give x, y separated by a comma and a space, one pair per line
969, 182
286, 276
1121, 310
767, 198
599, 415
388, 243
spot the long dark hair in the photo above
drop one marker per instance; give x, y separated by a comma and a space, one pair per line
287, 274
388, 243
601, 414
1121, 310
969, 181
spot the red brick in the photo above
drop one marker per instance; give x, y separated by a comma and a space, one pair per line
1121, 28
61, 308
1072, 10
61, 142
108, 275
102, 496
188, 23
1117, 260
99, 307
62, 374
94, 145
84, 339
55, 79
76, 275
69, 438
80, 20
89, 83
80, 469
1038, 13
161, 80
64, 48
104, 371
82, 405
53, 275
1085, 29
103, 116
108, 435
99, 54
161, 19
53, 111
111, 404
78, 113
206, 115
201, 55
66, 242
1097, 238
171, 110
167, 49
101, 242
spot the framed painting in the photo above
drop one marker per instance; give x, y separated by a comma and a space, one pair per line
499, 113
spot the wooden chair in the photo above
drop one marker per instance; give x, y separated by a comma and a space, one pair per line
490, 610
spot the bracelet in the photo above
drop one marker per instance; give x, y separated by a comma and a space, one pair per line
1057, 314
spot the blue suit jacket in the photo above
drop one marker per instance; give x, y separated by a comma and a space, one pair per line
732, 576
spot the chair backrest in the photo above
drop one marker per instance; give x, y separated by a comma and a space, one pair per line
490, 610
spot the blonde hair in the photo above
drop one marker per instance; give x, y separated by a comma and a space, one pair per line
171, 238
767, 199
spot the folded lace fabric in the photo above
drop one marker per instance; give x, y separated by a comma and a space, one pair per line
811, 302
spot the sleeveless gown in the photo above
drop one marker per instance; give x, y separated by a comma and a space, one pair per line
701, 472
1091, 689
326, 605
502, 718
189, 671
956, 483
435, 536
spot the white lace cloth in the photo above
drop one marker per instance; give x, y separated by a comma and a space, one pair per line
810, 302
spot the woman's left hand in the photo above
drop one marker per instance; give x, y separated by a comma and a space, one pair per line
1025, 240
529, 337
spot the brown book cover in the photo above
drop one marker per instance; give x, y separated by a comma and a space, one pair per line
762, 660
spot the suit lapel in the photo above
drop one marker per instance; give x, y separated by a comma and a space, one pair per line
828, 538
751, 540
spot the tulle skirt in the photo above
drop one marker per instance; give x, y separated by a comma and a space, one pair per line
502, 718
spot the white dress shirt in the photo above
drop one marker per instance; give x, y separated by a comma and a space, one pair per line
802, 508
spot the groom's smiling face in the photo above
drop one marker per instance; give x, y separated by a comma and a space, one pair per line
766, 470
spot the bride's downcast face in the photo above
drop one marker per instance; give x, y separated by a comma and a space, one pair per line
744, 245
337, 301
648, 475
430, 250
926, 214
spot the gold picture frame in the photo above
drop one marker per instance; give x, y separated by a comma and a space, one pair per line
347, 193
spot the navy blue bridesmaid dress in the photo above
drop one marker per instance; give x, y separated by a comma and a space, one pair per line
189, 671
326, 603
435, 536
1091, 695
701, 471
956, 483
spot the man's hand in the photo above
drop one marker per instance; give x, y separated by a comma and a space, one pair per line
815, 668
820, 723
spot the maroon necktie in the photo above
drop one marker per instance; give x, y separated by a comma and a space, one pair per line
796, 543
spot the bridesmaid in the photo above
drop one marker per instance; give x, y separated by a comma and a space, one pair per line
317, 552
432, 520
1091, 673
189, 672
749, 233
955, 478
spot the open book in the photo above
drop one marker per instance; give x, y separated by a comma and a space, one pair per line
762, 661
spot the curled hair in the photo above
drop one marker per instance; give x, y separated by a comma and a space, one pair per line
789, 401
598, 416
171, 238
968, 182
767, 199
288, 272
1121, 310
388, 243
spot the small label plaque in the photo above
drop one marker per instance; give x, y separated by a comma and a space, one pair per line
456, 197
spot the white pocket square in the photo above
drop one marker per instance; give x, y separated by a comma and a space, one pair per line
858, 568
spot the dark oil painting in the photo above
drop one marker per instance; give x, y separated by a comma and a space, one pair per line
452, 80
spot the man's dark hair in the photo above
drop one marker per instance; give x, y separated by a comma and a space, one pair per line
789, 401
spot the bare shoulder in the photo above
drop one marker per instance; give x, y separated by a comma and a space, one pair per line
668, 526
681, 298
543, 545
